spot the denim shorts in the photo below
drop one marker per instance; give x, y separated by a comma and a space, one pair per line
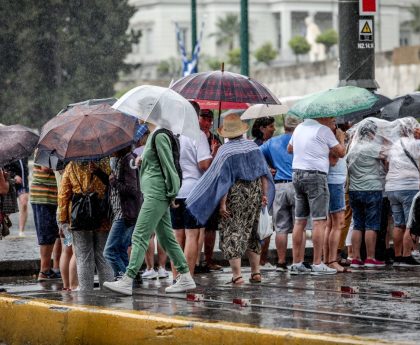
337, 200
311, 195
45, 223
182, 218
400, 205
367, 208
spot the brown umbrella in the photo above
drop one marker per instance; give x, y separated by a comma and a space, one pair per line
87, 132
16, 142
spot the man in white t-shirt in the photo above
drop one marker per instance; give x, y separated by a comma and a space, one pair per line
312, 143
195, 158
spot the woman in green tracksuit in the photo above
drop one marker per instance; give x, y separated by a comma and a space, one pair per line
159, 183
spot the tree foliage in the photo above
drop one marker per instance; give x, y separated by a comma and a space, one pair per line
328, 38
228, 29
55, 52
234, 57
415, 22
266, 53
299, 46
214, 63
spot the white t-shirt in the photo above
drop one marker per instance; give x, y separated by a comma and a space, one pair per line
191, 154
402, 174
311, 146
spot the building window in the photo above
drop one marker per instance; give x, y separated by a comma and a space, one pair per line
148, 40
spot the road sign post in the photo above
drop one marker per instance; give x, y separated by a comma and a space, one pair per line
357, 44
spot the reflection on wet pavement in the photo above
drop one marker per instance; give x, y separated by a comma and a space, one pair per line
280, 301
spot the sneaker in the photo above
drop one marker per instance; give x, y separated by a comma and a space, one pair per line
322, 269
149, 274
281, 267
50, 275
162, 273
397, 261
299, 269
373, 263
267, 267
408, 261
356, 263
184, 282
123, 286
416, 255
21, 234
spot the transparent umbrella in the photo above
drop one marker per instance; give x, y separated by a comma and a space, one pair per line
162, 107
263, 110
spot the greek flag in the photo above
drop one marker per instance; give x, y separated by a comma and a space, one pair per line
189, 66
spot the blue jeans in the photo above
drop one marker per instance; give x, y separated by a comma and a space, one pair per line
115, 251
366, 207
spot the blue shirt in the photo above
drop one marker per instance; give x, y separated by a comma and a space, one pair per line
275, 152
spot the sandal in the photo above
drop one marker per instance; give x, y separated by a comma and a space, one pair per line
255, 280
235, 281
345, 269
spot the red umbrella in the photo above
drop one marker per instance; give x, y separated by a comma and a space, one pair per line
205, 104
223, 86
87, 132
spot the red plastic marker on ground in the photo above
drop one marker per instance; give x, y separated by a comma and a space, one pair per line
350, 289
400, 294
242, 302
195, 297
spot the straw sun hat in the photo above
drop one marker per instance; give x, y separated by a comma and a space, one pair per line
232, 126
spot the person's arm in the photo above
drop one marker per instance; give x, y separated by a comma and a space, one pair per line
170, 174
4, 184
222, 210
205, 164
339, 150
65, 193
98, 172
290, 145
264, 182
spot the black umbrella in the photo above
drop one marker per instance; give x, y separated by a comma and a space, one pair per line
16, 142
408, 105
358, 116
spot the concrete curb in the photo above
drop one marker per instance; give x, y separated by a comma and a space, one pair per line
41, 322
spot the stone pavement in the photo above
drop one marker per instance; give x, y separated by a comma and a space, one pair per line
281, 301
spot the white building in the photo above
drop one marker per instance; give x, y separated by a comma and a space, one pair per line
275, 21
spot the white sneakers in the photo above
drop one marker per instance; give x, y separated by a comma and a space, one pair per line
123, 286
184, 282
322, 269
149, 274
299, 268
162, 273
267, 267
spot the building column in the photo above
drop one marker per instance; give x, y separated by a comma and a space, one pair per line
286, 34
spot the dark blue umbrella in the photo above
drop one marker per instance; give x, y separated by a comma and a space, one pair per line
408, 105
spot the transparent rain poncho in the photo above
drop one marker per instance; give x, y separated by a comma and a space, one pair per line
382, 155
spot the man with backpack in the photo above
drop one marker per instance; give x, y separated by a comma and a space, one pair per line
160, 182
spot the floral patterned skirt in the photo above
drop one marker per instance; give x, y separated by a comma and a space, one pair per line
238, 233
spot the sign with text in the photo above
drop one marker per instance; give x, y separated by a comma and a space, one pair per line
366, 39
368, 7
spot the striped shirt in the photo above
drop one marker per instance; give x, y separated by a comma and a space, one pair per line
44, 187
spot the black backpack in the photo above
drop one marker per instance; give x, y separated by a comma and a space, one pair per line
175, 150
415, 216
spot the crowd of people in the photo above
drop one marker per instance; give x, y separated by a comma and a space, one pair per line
346, 184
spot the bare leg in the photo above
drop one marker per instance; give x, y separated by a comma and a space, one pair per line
201, 238
57, 254
317, 239
337, 221
191, 247
325, 247
66, 254
370, 239
74, 282
281, 246
356, 241
46, 252
408, 244
298, 231
209, 242
180, 238
264, 251
398, 240
235, 264
23, 211
254, 261
162, 256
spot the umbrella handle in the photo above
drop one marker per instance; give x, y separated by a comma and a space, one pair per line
133, 165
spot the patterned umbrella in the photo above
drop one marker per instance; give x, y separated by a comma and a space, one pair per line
87, 132
16, 142
408, 105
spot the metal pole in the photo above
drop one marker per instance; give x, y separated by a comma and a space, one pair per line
193, 24
356, 46
244, 38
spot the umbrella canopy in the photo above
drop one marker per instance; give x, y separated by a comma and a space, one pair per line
162, 107
375, 111
408, 105
16, 142
224, 86
206, 104
87, 132
334, 102
263, 110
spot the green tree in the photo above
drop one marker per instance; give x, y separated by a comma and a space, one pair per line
234, 58
300, 46
328, 38
214, 63
266, 53
228, 29
170, 68
60, 52
415, 22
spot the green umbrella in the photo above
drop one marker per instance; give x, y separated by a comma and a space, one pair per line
333, 102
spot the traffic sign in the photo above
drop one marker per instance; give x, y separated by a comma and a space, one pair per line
368, 7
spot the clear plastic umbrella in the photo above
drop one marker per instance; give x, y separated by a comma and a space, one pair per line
162, 107
263, 110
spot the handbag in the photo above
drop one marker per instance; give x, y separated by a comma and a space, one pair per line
265, 228
86, 209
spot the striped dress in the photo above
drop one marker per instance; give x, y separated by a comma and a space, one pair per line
44, 187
